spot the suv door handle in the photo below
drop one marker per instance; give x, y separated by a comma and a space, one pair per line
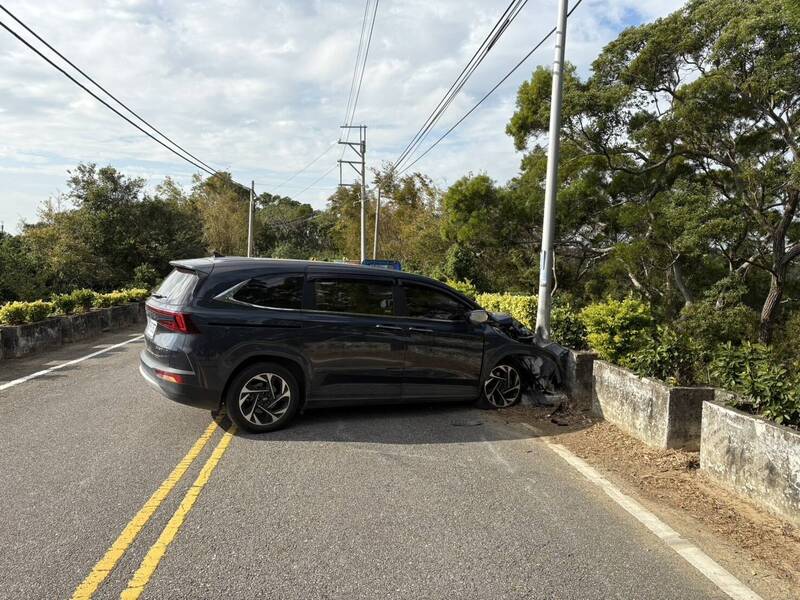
420, 330
389, 327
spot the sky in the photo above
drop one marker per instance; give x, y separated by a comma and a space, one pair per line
259, 88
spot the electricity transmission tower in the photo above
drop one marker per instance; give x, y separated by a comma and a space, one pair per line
360, 167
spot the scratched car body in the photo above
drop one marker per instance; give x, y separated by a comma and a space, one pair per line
266, 338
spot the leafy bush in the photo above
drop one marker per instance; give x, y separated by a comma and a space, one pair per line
521, 307
136, 294
145, 276
668, 356
110, 299
14, 313
466, 287
786, 341
84, 299
752, 371
617, 329
566, 326
710, 325
39, 310
64, 304
17, 313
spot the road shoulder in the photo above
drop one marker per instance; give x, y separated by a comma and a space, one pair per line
760, 549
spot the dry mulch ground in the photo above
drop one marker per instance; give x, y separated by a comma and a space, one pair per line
715, 517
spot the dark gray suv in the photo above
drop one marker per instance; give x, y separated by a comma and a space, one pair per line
266, 338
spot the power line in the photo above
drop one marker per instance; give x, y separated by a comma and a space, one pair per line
357, 62
317, 180
117, 100
285, 181
490, 92
364, 64
106, 104
506, 18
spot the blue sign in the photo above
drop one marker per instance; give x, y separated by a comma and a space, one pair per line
384, 264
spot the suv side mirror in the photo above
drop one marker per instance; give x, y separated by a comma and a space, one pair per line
478, 317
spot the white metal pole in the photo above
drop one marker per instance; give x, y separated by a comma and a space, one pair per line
377, 218
250, 220
551, 184
363, 193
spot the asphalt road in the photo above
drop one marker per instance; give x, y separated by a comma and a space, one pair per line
410, 502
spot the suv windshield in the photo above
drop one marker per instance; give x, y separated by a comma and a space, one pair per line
177, 288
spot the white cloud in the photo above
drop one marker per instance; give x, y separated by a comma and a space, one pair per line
260, 87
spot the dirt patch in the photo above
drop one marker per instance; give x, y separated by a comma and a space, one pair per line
769, 546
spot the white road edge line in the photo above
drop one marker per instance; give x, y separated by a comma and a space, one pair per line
688, 551
14, 382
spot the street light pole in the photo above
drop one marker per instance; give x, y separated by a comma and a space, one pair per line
551, 184
363, 194
250, 220
377, 218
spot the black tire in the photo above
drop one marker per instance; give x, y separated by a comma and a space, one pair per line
267, 407
502, 387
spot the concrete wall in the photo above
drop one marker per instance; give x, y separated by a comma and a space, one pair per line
578, 381
22, 340
81, 327
659, 415
752, 456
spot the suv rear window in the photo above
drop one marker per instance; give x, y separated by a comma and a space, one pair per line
177, 288
354, 296
276, 291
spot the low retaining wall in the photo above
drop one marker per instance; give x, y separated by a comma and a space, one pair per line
659, 415
121, 316
22, 340
81, 327
578, 380
752, 456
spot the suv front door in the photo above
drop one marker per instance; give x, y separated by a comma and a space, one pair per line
444, 351
353, 341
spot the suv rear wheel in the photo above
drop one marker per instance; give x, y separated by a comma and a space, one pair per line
502, 387
263, 397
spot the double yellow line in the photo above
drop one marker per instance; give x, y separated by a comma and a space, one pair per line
153, 557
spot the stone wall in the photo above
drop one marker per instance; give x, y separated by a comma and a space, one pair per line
22, 340
659, 415
753, 456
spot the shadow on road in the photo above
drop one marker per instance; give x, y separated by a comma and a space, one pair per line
396, 424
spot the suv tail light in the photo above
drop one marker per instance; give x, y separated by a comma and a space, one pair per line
172, 320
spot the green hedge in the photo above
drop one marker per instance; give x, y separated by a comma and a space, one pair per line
566, 326
19, 313
521, 307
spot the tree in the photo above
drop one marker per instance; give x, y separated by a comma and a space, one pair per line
223, 207
291, 229
111, 228
707, 98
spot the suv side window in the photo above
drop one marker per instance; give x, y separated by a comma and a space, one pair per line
423, 302
273, 291
360, 296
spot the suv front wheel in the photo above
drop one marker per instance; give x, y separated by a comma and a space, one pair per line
263, 397
502, 387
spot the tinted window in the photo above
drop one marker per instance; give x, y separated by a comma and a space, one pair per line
428, 303
354, 296
276, 291
177, 288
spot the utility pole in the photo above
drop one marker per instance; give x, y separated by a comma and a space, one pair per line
551, 184
250, 219
360, 167
377, 218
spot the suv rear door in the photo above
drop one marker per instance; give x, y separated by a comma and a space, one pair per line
444, 352
352, 339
